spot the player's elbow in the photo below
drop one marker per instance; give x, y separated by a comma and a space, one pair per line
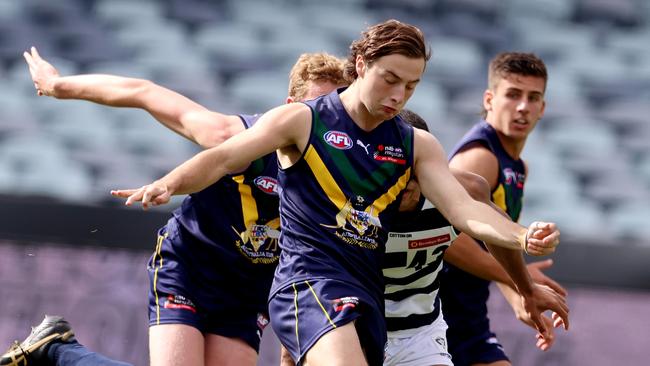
212, 138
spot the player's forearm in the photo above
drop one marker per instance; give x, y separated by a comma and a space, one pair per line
512, 262
482, 222
103, 89
466, 254
166, 106
197, 173
513, 298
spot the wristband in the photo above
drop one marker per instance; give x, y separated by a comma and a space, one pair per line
524, 243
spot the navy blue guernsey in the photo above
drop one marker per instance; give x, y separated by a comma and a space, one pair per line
238, 217
463, 295
338, 201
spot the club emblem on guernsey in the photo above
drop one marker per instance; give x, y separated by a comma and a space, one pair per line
339, 140
259, 243
357, 227
267, 184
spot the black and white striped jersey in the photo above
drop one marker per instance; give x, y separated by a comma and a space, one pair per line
414, 254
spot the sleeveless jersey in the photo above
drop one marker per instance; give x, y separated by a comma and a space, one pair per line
463, 294
237, 218
414, 253
338, 200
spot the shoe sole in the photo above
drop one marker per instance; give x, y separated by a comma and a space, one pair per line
18, 356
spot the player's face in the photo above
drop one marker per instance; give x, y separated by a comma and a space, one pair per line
387, 83
515, 105
410, 197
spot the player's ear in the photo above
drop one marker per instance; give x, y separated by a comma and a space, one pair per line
488, 96
360, 65
290, 100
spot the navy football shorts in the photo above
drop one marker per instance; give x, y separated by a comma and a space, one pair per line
483, 348
304, 311
191, 285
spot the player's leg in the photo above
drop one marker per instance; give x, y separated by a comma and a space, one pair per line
175, 318
220, 350
175, 345
52, 342
285, 358
339, 346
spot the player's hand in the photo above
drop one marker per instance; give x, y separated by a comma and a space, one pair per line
536, 274
542, 238
541, 299
43, 73
153, 194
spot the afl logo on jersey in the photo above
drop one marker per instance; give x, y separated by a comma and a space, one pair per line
267, 184
338, 139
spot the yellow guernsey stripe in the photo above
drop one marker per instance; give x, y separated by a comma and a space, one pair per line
321, 305
295, 305
155, 273
390, 195
499, 197
324, 178
248, 204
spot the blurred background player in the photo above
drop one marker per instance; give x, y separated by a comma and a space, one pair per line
415, 250
513, 104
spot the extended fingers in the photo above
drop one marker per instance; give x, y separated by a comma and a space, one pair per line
558, 321
561, 313
124, 193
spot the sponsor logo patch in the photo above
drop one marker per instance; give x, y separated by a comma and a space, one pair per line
512, 177
345, 303
339, 140
391, 154
267, 184
179, 302
429, 242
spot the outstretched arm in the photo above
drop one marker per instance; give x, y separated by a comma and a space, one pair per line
285, 127
178, 113
504, 265
516, 301
470, 216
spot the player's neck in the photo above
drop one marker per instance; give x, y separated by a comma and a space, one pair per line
512, 146
355, 108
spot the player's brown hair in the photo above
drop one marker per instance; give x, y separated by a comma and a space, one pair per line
387, 38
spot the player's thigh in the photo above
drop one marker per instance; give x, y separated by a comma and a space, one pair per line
225, 351
495, 363
285, 358
340, 346
175, 345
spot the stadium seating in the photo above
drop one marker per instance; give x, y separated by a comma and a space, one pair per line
589, 158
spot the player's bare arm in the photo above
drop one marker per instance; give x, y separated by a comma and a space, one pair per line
470, 216
543, 341
284, 128
175, 111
